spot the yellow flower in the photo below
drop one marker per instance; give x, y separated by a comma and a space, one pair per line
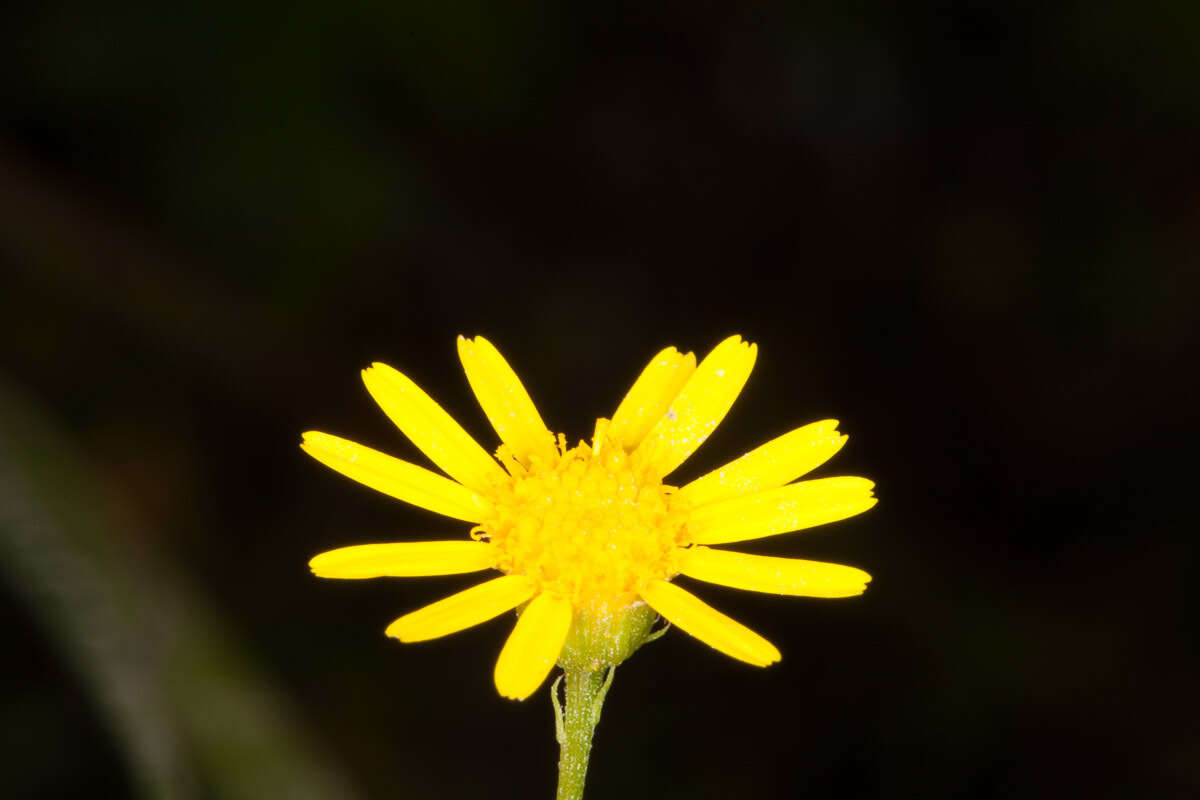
592, 531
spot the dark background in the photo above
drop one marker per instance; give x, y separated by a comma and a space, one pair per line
968, 232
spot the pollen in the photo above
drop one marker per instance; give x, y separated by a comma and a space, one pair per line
592, 524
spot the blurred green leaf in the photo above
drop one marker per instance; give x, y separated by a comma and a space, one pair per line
193, 713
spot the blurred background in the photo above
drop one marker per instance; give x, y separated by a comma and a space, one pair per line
968, 232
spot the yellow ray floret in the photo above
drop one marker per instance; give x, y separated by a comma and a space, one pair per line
791, 576
700, 406
463, 610
650, 396
788, 508
394, 477
431, 429
404, 559
709, 625
505, 401
775, 463
533, 646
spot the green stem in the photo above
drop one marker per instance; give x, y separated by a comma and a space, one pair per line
575, 721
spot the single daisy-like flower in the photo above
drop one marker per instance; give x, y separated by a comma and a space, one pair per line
590, 534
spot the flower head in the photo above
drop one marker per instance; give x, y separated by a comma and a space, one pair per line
592, 531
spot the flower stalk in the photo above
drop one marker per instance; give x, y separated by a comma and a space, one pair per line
575, 723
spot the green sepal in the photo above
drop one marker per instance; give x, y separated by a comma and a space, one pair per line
601, 638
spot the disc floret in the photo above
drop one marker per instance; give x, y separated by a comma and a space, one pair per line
591, 525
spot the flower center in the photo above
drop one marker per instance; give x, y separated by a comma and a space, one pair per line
590, 526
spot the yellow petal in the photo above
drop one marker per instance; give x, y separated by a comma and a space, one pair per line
533, 646
650, 396
504, 400
700, 406
394, 477
788, 508
404, 559
775, 463
459, 611
709, 625
431, 429
792, 576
